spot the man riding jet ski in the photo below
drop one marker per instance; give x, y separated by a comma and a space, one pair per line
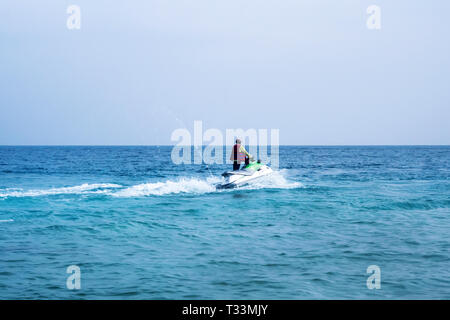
248, 173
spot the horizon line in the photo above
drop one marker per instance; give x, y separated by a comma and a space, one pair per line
204, 145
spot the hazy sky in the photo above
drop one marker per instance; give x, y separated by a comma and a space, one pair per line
139, 69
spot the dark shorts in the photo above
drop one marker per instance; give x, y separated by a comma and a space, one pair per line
236, 165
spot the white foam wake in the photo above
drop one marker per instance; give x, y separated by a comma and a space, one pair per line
275, 180
81, 189
200, 186
182, 185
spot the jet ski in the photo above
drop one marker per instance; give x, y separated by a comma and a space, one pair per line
249, 173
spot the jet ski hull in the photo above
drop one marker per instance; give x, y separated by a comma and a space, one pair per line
239, 178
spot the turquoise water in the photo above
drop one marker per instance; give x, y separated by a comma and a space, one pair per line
140, 227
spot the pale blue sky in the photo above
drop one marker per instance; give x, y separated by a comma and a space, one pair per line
139, 69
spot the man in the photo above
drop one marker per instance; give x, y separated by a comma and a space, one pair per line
239, 155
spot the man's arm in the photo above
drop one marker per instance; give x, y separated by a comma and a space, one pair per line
242, 149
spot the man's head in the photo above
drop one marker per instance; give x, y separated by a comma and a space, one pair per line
238, 141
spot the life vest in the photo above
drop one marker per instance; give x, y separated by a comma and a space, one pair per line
238, 155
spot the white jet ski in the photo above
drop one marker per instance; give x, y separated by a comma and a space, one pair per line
249, 173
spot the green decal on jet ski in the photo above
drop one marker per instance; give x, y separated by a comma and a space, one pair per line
254, 166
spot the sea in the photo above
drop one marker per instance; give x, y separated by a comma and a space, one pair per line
126, 222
